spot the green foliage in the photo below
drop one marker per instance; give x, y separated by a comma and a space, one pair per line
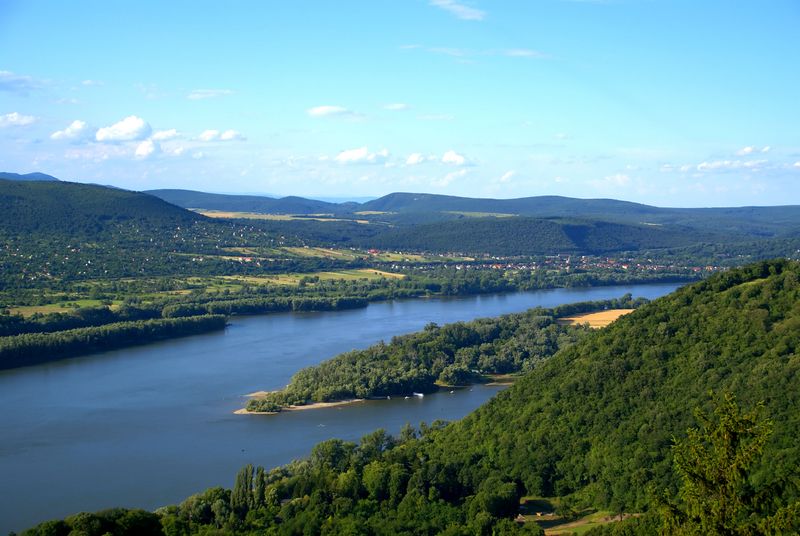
718, 498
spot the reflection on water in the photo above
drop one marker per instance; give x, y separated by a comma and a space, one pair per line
148, 426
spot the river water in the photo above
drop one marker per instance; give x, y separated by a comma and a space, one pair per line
148, 426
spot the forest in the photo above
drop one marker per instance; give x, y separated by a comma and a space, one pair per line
593, 425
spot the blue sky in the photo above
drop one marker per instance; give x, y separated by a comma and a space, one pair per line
670, 103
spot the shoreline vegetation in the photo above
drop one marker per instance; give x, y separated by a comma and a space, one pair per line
485, 350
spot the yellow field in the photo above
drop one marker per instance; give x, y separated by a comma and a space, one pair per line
258, 216
28, 310
599, 319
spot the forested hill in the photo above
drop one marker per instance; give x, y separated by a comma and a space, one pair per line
599, 418
247, 203
537, 236
70, 208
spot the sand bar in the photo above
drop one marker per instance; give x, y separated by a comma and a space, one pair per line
316, 405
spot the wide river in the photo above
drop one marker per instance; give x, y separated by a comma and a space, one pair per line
148, 426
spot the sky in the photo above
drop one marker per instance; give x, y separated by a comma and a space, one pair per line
664, 102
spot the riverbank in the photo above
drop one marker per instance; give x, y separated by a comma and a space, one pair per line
315, 405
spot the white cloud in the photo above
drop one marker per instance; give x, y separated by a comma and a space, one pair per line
68, 101
686, 168
727, 165
564, 136
797, 164
527, 53
362, 156
562, 179
18, 84
435, 117
76, 132
208, 93
450, 157
214, 135
93, 83
415, 158
396, 106
449, 178
147, 149
507, 176
129, 129
208, 135
15, 120
166, 135
618, 179
198, 155
232, 135
179, 151
666, 168
460, 11
751, 150
332, 111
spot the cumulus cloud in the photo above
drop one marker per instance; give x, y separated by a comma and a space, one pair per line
93, 83
232, 135
198, 155
397, 106
797, 164
76, 132
686, 168
362, 156
166, 135
147, 149
450, 177
450, 157
415, 158
15, 119
751, 150
507, 176
666, 168
527, 53
332, 111
435, 117
208, 93
179, 151
214, 135
727, 165
461, 11
129, 129
18, 84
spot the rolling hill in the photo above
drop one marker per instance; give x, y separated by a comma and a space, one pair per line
247, 203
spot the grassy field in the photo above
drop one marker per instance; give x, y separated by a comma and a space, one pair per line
258, 216
480, 214
599, 319
322, 252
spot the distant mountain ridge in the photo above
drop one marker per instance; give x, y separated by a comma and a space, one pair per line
36, 176
414, 208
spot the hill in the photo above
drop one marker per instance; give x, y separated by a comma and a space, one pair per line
745, 221
247, 203
29, 177
598, 418
537, 236
71, 208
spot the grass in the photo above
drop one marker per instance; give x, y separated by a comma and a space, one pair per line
599, 319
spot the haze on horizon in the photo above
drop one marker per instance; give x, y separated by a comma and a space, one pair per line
675, 103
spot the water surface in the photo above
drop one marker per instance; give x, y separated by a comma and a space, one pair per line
148, 426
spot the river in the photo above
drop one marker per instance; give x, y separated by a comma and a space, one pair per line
148, 426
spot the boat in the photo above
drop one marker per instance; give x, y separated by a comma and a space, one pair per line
419, 395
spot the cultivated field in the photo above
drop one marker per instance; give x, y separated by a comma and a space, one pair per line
596, 320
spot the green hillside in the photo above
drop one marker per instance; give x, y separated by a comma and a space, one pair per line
246, 203
535, 236
598, 418
64, 207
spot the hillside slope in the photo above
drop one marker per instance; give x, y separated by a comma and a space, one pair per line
65, 207
599, 417
246, 203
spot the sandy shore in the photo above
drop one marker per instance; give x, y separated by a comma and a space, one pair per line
316, 405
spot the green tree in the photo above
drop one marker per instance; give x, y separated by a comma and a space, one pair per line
717, 498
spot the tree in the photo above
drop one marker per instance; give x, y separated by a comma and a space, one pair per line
717, 499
